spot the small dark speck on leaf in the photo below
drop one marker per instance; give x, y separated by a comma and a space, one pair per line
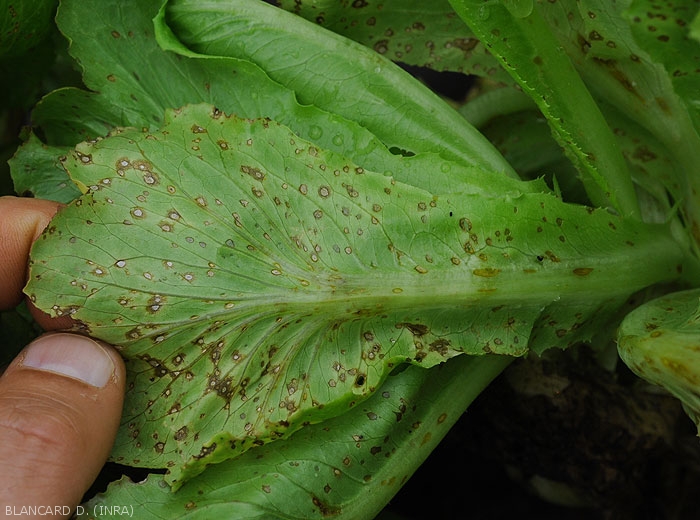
326, 510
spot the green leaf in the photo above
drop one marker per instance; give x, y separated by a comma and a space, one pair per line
134, 81
659, 342
517, 33
652, 166
520, 134
622, 71
256, 282
495, 102
24, 24
36, 172
330, 72
70, 115
694, 32
662, 29
23, 76
510, 120
598, 39
347, 467
407, 31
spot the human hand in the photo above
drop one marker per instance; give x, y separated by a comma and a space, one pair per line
60, 399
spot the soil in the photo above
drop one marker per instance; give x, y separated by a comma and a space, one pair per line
562, 429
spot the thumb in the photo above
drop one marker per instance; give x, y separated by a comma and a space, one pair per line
60, 407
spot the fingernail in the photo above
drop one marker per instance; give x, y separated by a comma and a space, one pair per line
70, 355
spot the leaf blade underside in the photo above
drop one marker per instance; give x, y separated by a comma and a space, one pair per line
329, 469
255, 282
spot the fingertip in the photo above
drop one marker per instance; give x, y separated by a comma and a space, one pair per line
21, 221
30, 213
60, 406
74, 356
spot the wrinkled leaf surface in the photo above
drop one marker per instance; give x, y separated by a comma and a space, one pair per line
347, 467
256, 282
407, 31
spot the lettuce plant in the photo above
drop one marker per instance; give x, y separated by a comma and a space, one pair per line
312, 263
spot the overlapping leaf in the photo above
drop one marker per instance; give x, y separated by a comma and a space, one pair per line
330, 72
37, 171
659, 341
663, 30
519, 35
635, 56
407, 31
348, 467
134, 80
23, 25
